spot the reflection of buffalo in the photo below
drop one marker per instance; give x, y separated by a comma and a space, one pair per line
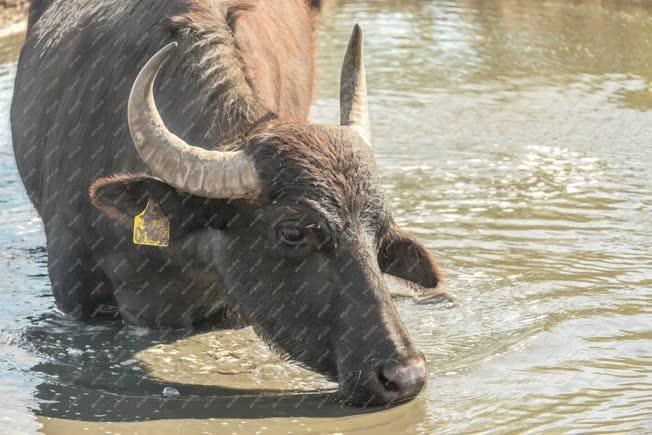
275, 222
93, 374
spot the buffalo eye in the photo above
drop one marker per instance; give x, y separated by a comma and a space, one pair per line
291, 236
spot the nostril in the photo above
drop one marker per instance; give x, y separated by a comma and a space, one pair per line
406, 378
386, 382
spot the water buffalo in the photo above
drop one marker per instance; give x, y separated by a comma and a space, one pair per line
273, 221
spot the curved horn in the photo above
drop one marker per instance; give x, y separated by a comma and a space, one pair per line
211, 174
354, 106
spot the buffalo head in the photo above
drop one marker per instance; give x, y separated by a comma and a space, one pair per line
293, 227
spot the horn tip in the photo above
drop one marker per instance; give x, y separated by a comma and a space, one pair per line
357, 31
168, 50
357, 36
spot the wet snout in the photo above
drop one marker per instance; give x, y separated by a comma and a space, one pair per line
403, 379
398, 380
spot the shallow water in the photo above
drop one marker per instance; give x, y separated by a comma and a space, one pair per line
515, 140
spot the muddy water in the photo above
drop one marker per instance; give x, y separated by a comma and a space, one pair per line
515, 140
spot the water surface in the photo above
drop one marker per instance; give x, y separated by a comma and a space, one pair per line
515, 140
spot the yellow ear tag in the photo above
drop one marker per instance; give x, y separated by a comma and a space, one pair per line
151, 227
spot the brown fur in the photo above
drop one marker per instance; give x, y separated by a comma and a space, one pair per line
275, 44
269, 42
319, 164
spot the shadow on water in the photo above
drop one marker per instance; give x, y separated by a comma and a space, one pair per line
93, 373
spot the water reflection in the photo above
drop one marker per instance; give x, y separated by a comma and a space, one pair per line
105, 372
426, 46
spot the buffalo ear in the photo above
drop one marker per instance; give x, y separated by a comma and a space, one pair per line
402, 256
121, 197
